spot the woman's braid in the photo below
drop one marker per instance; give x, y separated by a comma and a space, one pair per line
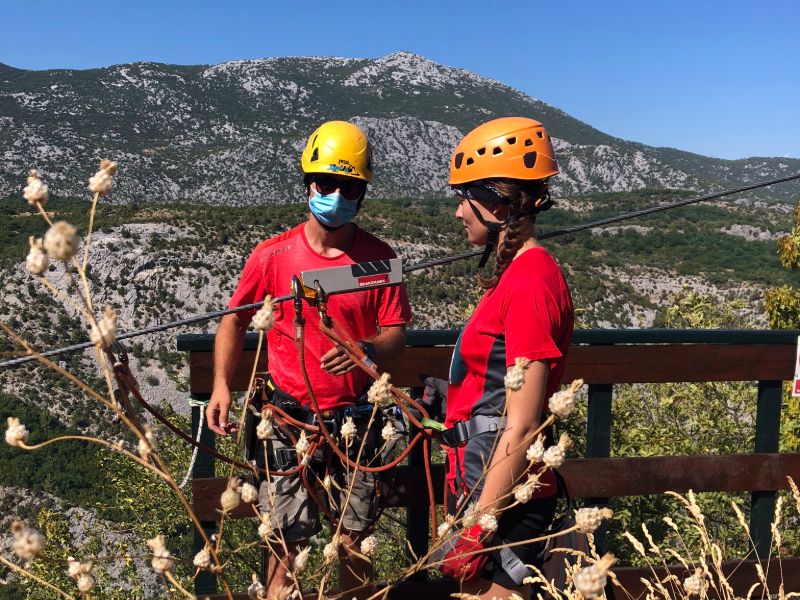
522, 211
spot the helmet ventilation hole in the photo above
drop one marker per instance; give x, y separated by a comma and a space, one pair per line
528, 143
511, 141
470, 161
481, 151
529, 159
314, 155
497, 150
540, 134
457, 160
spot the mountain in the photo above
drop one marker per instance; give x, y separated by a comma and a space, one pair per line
232, 133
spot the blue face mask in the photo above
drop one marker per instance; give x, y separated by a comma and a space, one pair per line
332, 210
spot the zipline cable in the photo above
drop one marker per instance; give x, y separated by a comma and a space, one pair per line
623, 217
145, 331
411, 268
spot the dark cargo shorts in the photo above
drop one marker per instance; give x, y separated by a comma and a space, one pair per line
289, 505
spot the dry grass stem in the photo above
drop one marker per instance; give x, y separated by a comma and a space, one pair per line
32, 577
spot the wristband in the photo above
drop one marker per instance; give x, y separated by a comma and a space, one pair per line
368, 348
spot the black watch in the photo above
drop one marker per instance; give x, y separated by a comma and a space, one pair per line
368, 348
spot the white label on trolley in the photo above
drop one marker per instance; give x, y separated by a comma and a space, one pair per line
796, 386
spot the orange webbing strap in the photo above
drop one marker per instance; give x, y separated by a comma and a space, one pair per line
337, 335
128, 383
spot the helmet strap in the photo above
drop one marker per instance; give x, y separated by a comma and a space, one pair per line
493, 229
492, 235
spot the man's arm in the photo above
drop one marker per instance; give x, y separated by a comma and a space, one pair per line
227, 351
390, 342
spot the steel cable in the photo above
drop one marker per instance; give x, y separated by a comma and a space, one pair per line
410, 268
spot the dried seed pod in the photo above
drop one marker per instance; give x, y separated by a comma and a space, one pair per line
231, 497
35, 192
60, 241
37, 261
369, 545
380, 392
589, 519
16, 433
28, 542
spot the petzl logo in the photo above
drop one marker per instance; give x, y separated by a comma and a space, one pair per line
372, 280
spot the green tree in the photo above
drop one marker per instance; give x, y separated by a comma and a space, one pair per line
782, 305
681, 419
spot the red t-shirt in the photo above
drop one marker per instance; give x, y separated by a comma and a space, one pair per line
269, 270
528, 313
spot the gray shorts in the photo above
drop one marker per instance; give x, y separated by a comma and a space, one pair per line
286, 499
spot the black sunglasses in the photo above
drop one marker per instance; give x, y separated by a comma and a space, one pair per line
350, 188
478, 190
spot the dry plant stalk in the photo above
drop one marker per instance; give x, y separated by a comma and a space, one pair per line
586, 578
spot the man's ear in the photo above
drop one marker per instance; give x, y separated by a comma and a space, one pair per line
361, 200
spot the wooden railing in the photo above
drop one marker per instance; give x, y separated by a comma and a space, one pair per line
602, 358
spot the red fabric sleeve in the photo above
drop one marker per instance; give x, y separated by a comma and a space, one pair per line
393, 306
531, 321
251, 287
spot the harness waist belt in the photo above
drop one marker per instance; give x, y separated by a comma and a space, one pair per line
462, 431
293, 407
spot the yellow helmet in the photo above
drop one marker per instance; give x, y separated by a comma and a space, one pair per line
338, 148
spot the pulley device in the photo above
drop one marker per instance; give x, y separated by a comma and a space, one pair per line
316, 285
349, 278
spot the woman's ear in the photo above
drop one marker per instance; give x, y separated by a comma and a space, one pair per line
499, 211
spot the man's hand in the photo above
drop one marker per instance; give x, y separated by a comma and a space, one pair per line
217, 412
227, 350
461, 563
336, 362
388, 343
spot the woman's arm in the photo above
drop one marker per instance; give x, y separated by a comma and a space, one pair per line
524, 409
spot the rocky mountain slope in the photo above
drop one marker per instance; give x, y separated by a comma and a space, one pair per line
232, 133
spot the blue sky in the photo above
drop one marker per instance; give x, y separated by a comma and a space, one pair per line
719, 78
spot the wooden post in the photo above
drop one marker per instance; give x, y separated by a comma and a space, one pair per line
598, 441
205, 583
768, 425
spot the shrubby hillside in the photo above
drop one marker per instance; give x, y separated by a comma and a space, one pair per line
160, 263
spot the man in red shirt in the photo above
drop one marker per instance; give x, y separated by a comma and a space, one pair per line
337, 163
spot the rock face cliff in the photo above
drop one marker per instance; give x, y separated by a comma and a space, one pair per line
232, 133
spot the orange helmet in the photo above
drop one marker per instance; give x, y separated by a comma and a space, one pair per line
511, 147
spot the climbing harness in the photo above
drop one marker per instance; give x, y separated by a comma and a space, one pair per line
462, 431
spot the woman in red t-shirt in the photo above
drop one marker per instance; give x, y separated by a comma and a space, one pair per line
499, 172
